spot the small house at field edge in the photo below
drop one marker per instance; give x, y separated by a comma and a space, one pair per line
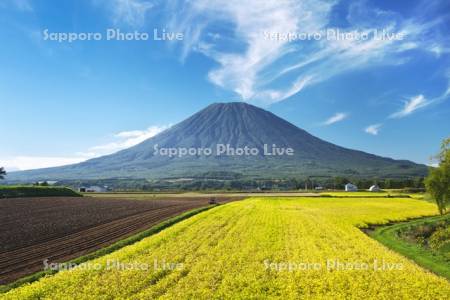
93, 189
374, 188
349, 187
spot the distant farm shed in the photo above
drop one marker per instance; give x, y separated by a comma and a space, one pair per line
349, 187
374, 188
93, 189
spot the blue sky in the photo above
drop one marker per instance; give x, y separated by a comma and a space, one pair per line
63, 102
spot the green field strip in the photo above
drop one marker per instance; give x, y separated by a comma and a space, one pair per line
387, 235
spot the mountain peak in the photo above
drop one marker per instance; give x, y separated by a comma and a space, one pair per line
232, 105
237, 125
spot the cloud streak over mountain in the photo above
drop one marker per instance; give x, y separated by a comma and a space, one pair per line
411, 106
337, 117
267, 71
373, 129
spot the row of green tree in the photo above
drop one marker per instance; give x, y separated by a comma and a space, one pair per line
438, 181
243, 184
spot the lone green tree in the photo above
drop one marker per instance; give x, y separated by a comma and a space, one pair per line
438, 181
2, 173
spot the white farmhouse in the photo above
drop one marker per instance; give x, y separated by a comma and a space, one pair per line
96, 189
374, 188
351, 187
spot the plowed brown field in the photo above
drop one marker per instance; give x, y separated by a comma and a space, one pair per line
60, 229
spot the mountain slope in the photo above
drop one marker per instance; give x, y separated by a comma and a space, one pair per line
239, 125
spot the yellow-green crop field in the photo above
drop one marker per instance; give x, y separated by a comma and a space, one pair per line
358, 194
286, 248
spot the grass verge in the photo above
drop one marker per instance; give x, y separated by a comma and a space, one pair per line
36, 191
109, 249
388, 236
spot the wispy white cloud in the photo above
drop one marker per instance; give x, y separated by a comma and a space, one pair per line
438, 50
129, 12
265, 70
268, 71
126, 139
233, 33
420, 101
337, 117
243, 71
373, 129
411, 106
447, 92
19, 163
22, 5
122, 140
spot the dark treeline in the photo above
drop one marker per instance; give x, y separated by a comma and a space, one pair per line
236, 183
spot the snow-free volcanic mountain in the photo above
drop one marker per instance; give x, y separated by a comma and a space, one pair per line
237, 125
